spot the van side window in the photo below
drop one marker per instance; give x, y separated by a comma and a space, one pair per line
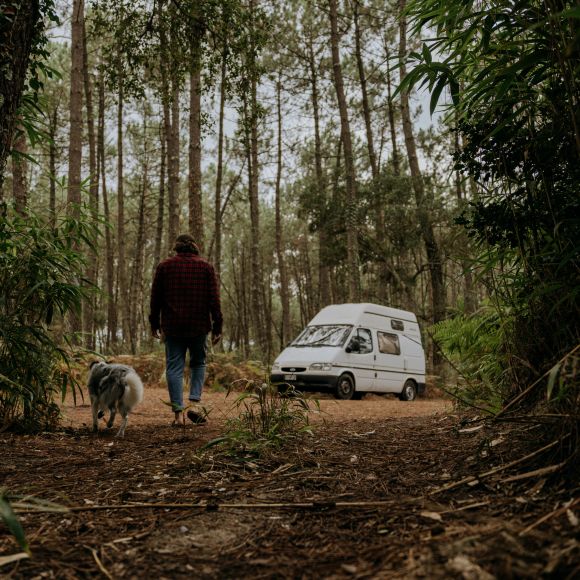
397, 325
388, 343
361, 342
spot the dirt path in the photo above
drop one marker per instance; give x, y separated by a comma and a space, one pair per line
352, 501
153, 411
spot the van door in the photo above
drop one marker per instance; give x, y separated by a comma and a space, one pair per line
359, 356
389, 365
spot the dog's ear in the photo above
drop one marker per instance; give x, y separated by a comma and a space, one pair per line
95, 362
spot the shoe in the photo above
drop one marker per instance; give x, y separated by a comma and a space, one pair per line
196, 418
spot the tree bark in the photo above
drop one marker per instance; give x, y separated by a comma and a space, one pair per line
391, 113
351, 187
364, 92
19, 170
109, 251
76, 134
89, 305
323, 270
16, 38
251, 120
195, 193
170, 98
76, 111
137, 275
52, 153
123, 299
431, 245
284, 286
161, 198
173, 163
219, 172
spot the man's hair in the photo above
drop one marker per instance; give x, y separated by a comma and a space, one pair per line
185, 244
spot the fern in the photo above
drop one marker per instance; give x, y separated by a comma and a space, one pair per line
476, 346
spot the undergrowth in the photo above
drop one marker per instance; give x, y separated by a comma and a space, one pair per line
40, 274
267, 420
475, 346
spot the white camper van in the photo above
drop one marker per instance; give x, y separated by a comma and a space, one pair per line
352, 349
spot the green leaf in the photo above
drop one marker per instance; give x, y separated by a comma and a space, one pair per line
437, 93
426, 53
554, 372
11, 521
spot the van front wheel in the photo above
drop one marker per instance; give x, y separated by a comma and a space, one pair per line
344, 387
409, 392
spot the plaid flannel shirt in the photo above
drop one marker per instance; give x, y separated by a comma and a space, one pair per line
185, 298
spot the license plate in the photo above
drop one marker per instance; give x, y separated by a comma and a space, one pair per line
289, 377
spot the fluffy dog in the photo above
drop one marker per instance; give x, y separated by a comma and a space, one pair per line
113, 387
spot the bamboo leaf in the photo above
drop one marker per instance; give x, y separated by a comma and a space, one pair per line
554, 372
12, 523
437, 93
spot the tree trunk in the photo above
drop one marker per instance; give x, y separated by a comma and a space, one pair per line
89, 305
52, 153
251, 120
110, 259
76, 110
351, 193
137, 275
123, 300
195, 193
470, 300
323, 271
161, 198
19, 170
173, 163
219, 172
391, 112
431, 246
76, 134
17, 30
284, 286
365, 98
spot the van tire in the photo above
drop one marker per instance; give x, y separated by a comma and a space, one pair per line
409, 392
344, 387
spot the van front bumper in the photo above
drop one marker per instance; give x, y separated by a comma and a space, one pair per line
307, 382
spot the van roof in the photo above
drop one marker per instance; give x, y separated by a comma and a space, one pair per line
359, 314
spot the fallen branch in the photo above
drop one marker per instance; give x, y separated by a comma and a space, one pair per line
251, 506
535, 473
545, 518
493, 471
100, 565
466, 507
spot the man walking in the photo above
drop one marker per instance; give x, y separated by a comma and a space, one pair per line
185, 307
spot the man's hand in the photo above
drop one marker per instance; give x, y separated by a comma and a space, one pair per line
215, 338
155, 333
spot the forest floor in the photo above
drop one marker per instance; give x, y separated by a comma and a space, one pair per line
378, 491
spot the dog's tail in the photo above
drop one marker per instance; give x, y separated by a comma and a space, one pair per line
133, 390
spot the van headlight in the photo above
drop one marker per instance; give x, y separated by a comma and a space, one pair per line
320, 367
275, 367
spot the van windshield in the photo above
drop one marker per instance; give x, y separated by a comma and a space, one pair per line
325, 335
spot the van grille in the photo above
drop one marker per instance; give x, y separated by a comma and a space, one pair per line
293, 369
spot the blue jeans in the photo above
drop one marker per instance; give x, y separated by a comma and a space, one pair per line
175, 351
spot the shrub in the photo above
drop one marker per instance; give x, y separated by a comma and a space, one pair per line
266, 419
40, 275
475, 346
